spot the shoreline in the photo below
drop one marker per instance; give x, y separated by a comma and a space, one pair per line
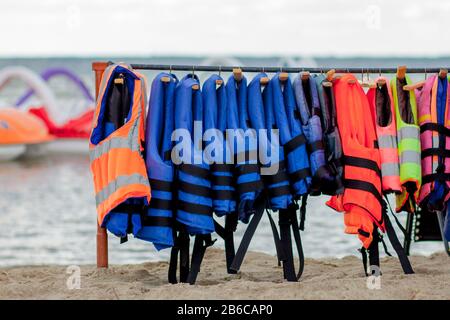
259, 278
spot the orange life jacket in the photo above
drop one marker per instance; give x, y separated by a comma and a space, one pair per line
117, 163
383, 113
361, 200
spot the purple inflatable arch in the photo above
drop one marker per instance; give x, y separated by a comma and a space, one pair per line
52, 72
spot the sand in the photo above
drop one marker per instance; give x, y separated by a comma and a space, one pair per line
260, 278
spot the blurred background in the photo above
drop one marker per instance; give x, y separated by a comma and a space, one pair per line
47, 210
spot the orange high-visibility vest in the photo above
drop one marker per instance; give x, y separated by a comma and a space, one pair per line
117, 162
361, 201
383, 112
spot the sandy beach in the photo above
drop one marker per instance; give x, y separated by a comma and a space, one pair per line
260, 278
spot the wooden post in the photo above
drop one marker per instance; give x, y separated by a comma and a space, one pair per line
102, 237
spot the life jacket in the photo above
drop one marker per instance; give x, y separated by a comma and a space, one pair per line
160, 124
215, 110
434, 120
361, 200
408, 144
291, 135
116, 153
309, 114
331, 138
193, 196
194, 203
382, 106
261, 115
248, 179
221, 162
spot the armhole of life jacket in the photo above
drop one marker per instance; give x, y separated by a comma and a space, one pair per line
118, 103
383, 106
404, 102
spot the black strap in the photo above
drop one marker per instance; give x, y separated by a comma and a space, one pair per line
404, 261
225, 181
202, 241
231, 221
276, 239
364, 186
435, 152
299, 174
364, 259
303, 212
221, 167
247, 168
314, 146
161, 204
279, 191
152, 221
128, 208
435, 127
181, 248
294, 143
160, 185
286, 243
399, 225
372, 252
280, 176
248, 234
223, 194
361, 163
249, 186
194, 208
194, 170
194, 189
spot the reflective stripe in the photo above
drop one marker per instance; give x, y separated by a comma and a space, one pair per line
410, 156
390, 169
408, 132
425, 117
387, 141
131, 142
119, 182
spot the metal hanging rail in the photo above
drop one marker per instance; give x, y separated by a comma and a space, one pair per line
277, 69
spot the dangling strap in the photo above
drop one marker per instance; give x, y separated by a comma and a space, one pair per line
404, 261
180, 247
248, 235
372, 252
288, 220
231, 221
202, 241
399, 225
303, 212
276, 239
286, 244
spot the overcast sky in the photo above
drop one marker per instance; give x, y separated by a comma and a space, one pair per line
225, 27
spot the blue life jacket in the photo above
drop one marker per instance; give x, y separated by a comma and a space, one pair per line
215, 118
248, 184
291, 135
261, 114
309, 113
160, 170
331, 137
194, 203
116, 111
